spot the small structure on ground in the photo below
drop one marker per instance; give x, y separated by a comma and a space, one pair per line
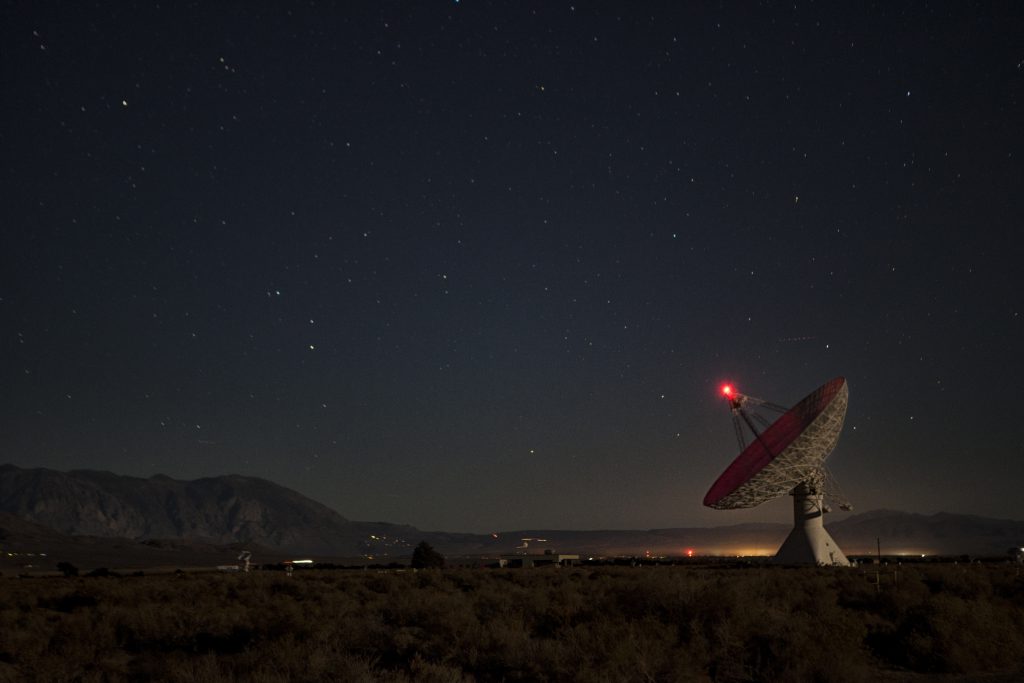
546, 559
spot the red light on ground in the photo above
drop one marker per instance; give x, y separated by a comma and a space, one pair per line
689, 552
727, 390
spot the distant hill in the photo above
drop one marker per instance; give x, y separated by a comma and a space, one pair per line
217, 510
939, 534
233, 509
27, 546
20, 534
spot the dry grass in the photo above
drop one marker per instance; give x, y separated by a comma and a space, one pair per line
614, 624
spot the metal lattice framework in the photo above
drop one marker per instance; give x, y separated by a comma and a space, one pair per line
800, 458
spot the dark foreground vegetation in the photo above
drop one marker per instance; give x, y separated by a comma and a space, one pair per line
594, 624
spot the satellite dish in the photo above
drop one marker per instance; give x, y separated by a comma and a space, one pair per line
787, 456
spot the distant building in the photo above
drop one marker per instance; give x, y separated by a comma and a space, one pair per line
548, 558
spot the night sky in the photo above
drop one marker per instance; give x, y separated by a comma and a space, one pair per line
476, 266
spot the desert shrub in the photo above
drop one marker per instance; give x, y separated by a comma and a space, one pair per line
967, 581
101, 571
429, 672
647, 623
67, 569
68, 602
948, 634
771, 625
425, 557
286, 587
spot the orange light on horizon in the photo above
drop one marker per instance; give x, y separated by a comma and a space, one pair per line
689, 552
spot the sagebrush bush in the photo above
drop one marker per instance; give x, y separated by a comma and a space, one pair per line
600, 624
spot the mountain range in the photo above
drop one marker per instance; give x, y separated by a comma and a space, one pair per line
164, 517
215, 510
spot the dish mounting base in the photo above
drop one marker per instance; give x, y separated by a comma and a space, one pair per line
809, 543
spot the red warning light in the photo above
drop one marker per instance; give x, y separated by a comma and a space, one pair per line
727, 390
689, 552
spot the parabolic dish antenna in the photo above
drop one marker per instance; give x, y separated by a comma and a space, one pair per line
787, 456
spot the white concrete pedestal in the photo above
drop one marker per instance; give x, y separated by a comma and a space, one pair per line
808, 542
